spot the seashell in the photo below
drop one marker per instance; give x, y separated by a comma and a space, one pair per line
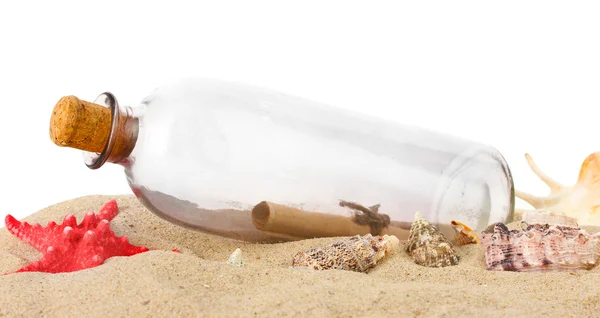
539, 247
358, 253
581, 201
236, 258
548, 217
464, 234
428, 246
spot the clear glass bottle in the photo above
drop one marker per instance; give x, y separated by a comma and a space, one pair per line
257, 165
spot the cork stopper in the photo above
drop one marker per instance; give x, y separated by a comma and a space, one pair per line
80, 124
89, 127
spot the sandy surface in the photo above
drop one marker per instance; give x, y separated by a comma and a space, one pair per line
198, 282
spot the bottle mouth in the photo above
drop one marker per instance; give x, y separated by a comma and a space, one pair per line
124, 126
95, 160
478, 187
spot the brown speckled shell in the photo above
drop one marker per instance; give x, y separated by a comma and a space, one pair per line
428, 246
358, 253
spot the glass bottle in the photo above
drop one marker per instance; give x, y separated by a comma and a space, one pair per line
257, 165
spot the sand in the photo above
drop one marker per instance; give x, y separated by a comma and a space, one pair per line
198, 282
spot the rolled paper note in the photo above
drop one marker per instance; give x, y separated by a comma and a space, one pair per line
276, 218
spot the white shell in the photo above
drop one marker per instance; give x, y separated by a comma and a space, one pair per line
236, 258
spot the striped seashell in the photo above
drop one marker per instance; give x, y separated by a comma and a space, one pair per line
539, 247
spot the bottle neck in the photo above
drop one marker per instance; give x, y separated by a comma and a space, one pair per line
122, 137
105, 131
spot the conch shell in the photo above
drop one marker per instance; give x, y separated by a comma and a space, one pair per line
428, 246
463, 234
540, 246
581, 201
358, 253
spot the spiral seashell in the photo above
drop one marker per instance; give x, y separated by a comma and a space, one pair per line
358, 253
428, 246
463, 234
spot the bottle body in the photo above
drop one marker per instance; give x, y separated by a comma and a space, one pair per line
256, 165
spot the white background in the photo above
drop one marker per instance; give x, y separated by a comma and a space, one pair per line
523, 76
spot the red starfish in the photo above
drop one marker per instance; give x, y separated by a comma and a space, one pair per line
70, 247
